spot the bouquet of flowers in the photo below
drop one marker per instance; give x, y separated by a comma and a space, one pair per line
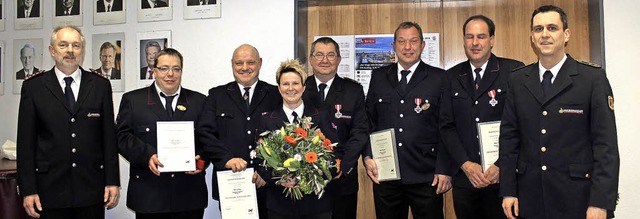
298, 152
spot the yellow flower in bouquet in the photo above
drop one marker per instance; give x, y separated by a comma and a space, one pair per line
298, 152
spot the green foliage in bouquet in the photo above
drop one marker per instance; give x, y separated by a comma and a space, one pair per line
298, 152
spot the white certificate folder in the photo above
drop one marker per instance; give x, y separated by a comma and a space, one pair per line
385, 154
176, 146
238, 198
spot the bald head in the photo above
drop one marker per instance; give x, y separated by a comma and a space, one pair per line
246, 63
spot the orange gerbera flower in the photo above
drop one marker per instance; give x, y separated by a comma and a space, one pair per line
311, 157
290, 140
300, 133
319, 133
326, 142
338, 164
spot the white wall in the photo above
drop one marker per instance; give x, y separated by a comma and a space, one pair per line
622, 53
206, 45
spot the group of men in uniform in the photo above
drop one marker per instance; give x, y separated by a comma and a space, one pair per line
558, 147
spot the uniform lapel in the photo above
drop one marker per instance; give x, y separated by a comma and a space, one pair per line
563, 79
154, 103
466, 80
234, 94
490, 75
182, 106
279, 115
420, 74
532, 83
392, 77
86, 87
54, 87
335, 92
259, 93
312, 91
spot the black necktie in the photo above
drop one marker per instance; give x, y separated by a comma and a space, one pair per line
168, 104
295, 117
403, 81
245, 96
321, 88
71, 100
546, 82
478, 78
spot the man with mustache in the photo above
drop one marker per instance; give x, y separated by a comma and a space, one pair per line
67, 153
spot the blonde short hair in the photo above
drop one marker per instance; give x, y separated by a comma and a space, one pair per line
291, 65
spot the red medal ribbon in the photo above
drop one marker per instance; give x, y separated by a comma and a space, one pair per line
338, 107
418, 101
492, 93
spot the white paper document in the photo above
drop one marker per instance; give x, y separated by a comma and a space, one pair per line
176, 146
489, 134
238, 198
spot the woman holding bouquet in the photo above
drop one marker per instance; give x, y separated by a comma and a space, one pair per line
298, 159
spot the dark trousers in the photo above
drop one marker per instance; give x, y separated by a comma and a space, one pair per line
345, 206
393, 200
93, 211
193, 214
471, 203
274, 215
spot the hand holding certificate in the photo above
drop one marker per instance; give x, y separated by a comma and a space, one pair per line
237, 194
489, 135
385, 155
176, 146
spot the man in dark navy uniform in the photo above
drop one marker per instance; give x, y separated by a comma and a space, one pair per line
231, 116
67, 153
343, 99
475, 94
406, 96
558, 142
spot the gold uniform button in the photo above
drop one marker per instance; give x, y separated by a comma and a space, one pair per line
544, 167
543, 149
544, 113
543, 131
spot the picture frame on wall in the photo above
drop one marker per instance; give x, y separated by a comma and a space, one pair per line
109, 12
67, 12
2, 68
155, 10
27, 60
28, 14
107, 58
149, 44
201, 9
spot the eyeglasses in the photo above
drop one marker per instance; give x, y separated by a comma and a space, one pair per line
320, 56
165, 69
412, 42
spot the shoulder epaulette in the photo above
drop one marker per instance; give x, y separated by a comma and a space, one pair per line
350, 80
588, 63
94, 71
521, 67
34, 75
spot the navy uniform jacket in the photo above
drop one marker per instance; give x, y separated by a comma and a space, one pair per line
560, 153
276, 200
20, 75
227, 129
35, 10
159, 4
137, 142
351, 128
463, 107
115, 73
418, 143
66, 156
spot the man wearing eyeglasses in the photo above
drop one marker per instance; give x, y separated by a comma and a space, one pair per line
406, 97
152, 194
343, 98
108, 59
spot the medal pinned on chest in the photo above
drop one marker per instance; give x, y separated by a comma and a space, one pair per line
338, 108
419, 106
493, 101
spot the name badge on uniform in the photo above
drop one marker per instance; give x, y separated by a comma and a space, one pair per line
338, 108
91, 115
418, 102
493, 101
